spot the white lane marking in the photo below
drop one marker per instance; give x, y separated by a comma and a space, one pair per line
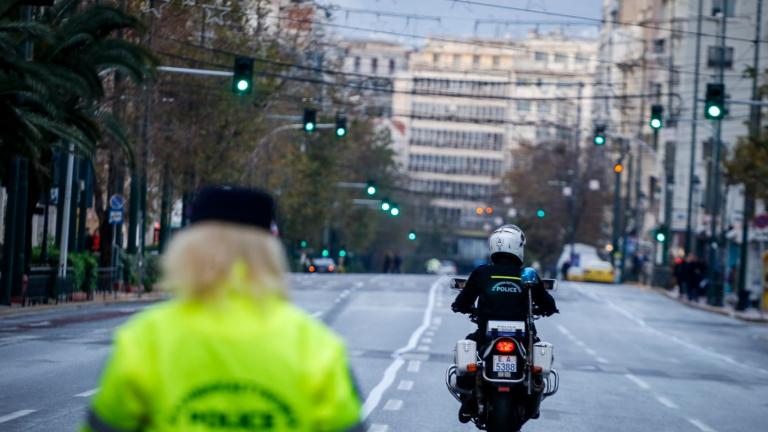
640, 383
88, 393
703, 427
640, 322
590, 351
393, 405
16, 414
423, 348
39, 324
374, 397
414, 366
602, 360
378, 428
563, 330
437, 320
580, 344
429, 333
405, 385
426, 340
317, 314
666, 402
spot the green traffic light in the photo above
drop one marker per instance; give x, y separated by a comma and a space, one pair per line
386, 206
342, 253
341, 132
411, 235
371, 190
326, 252
394, 211
655, 123
309, 126
304, 243
540, 213
242, 85
660, 237
599, 140
714, 111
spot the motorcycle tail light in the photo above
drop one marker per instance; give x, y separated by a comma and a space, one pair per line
536, 370
472, 367
505, 346
311, 269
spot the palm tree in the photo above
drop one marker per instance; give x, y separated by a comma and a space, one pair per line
55, 96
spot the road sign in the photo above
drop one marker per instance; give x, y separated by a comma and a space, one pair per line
761, 220
115, 217
116, 202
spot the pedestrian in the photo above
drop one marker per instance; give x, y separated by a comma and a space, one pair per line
397, 262
387, 262
695, 270
678, 271
231, 352
564, 269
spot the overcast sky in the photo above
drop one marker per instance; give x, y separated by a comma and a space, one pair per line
458, 19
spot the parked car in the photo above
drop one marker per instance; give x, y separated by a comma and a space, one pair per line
321, 265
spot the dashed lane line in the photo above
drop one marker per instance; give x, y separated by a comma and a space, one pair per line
591, 352
414, 366
640, 383
88, 393
666, 402
703, 427
378, 428
601, 360
426, 340
374, 398
393, 405
405, 385
16, 414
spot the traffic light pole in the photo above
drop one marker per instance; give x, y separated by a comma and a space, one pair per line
666, 220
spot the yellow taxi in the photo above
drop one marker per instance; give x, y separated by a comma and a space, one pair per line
592, 271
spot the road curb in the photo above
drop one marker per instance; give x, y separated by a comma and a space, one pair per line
762, 319
18, 311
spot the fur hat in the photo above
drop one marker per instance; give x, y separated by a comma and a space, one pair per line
234, 204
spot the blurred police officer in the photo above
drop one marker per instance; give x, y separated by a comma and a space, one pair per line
231, 353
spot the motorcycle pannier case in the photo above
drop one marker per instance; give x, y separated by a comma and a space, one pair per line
465, 354
543, 355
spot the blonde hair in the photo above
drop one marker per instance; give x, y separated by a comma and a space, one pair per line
202, 258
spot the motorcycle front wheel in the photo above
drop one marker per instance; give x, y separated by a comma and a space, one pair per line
504, 414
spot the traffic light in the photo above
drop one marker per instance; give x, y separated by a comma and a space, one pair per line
303, 244
342, 253
412, 235
395, 210
618, 168
656, 117
660, 234
242, 76
540, 213
325, 252
714, 104
310, 119
386, 205
370, 188
341, 125
599, 138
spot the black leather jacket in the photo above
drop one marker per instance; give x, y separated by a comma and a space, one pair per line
500, 295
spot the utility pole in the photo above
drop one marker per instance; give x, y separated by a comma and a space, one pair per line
576, 184
625, 219
695, 115
714, 264
749, 193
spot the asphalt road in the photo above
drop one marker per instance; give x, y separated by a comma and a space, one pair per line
629, 359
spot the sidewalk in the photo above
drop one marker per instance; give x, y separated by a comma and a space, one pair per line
750, 315
99, 299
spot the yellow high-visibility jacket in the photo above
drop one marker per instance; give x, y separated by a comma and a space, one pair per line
230, 364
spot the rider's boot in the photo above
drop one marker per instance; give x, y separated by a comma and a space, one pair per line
468, 409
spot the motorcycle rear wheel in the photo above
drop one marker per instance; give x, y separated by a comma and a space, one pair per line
504, 415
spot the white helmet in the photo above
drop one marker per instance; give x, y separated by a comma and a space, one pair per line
507, 239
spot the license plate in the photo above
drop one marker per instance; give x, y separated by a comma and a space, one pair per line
504, 363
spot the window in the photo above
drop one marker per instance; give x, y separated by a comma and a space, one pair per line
435, 58
374, 65
476, 60
523, 106
658, 46
522, 82
496, 61
456, 60
717, 7
561, 58
540, 56
391, 66
357, 64
714, 55
543, 107
581, 58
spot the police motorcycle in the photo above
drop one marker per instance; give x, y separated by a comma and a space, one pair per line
512, 372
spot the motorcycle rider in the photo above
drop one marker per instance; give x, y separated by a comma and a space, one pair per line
500, 295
